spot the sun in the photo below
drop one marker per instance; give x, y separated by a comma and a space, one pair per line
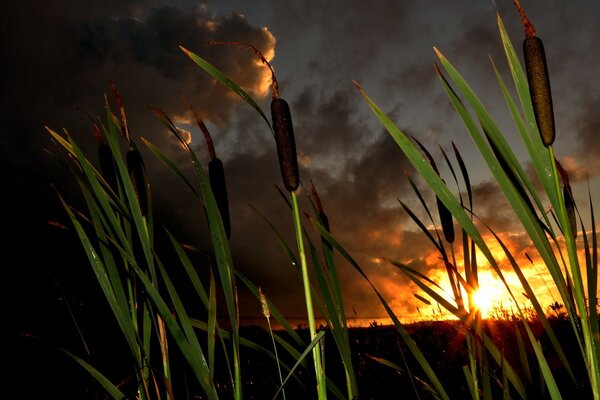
485, 299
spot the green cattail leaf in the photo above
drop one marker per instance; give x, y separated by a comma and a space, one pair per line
312, 344
411, 344
162, 157
219, 76
526, 126
137, 173
444, 213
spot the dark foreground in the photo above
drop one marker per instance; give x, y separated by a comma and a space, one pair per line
42, 371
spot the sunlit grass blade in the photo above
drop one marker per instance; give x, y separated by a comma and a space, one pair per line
161, 156
138, 219
451, 168
537, 151
219, 76
308, 295
121, 314
332, 312
537, 306
461, 314
527, 219
432, 179
422, 226
414, 349
221, 248
529, 144
183, 334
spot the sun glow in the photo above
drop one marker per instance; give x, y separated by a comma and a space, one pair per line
491, 294
486, 299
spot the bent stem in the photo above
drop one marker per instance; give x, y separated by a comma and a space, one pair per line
319, 371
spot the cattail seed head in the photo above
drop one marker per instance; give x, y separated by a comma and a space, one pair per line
539, 87
286, 145
135, 166
265, 305
216, 174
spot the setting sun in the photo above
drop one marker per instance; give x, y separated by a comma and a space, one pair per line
486, 298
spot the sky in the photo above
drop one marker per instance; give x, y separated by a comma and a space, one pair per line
58, 58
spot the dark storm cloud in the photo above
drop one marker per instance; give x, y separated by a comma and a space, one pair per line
59, 58
588, 145
62, 57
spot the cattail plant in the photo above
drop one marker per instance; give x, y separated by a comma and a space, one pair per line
135, 163
216, 173
538, 79
282, 127
288, 163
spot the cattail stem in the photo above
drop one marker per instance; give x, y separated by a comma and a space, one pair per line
319, 371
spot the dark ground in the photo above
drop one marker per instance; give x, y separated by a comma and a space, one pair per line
47, 278
41, 370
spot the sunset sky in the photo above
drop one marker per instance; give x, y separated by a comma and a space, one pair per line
58, 57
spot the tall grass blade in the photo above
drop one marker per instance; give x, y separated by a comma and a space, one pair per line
219, 76
310, 348
414, 349
110, 388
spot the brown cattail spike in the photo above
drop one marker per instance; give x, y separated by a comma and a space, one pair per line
539, 87
286, 144
538, 79
216, 174
282, 127
135, 166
